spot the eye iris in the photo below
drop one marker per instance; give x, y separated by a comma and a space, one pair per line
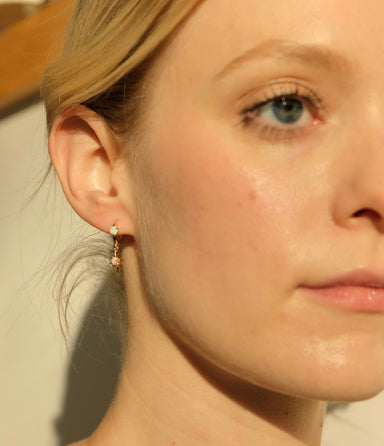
287, 110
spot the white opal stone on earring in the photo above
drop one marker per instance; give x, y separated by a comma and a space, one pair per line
114, 230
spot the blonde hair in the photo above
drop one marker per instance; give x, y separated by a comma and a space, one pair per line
109, 50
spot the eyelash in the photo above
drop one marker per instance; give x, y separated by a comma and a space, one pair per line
309, 98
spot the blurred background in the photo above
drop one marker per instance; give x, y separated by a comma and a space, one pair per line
54, 391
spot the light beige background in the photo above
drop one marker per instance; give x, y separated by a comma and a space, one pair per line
48, 394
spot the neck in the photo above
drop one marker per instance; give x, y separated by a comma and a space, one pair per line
170, 396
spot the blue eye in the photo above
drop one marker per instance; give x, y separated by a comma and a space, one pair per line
281, 112
286, 114
286, 110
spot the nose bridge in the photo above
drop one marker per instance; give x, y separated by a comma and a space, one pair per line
367, 137
367, 148
366, 125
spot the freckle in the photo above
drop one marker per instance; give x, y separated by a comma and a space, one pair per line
252, 195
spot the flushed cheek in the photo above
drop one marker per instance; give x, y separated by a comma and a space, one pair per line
222, 214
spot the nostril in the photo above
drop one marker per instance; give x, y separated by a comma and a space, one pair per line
367, 213
360, 212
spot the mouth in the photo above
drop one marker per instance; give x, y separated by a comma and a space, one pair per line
359, 290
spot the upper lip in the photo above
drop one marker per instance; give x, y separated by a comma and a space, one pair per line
359, 277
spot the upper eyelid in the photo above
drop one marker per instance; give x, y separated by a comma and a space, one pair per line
268, 101
289, 89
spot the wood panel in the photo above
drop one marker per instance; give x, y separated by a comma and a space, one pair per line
25, 50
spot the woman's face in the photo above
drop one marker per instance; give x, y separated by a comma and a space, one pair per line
262, 175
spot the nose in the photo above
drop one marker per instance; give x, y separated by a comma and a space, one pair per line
359, 199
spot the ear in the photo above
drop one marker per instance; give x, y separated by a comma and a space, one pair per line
91, 166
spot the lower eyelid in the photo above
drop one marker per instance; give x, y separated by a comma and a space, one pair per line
288, 89
272, 134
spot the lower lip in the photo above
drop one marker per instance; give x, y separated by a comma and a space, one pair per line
355, 298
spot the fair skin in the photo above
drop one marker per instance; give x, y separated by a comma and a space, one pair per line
231, 215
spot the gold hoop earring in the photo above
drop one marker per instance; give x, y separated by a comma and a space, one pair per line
116, 260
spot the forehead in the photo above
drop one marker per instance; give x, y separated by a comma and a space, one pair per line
220, 30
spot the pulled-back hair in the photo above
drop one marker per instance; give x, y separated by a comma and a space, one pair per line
105, 66
109, 50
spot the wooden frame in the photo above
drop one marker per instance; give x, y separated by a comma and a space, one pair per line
25, 50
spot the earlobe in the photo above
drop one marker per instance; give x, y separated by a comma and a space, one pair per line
87, 158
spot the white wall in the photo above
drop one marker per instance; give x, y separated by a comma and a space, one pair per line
33, 356
44, 400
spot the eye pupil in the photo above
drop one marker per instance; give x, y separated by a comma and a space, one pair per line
287, 110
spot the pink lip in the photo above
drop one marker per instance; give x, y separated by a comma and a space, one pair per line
359, 290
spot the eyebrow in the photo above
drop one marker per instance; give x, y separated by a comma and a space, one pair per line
314, 55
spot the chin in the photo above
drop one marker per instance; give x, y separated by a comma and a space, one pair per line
353, 380
352, 375
353, 388
344, 368
347, 391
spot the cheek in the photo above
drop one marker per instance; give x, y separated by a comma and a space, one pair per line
222, 226
219, 206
